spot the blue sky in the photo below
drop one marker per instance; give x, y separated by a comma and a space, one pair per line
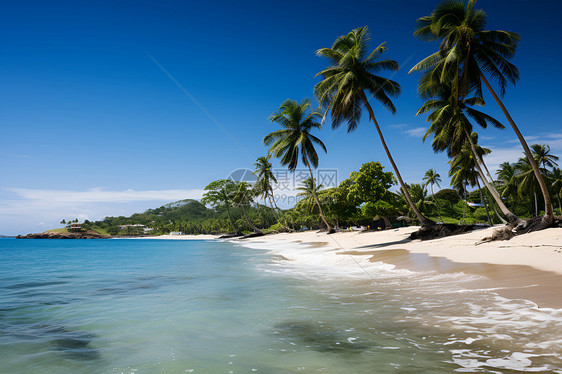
93, 126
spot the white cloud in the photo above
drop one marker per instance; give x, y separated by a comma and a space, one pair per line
515, 152
483, 137
554, 140
501, 155
528, 139
417, 132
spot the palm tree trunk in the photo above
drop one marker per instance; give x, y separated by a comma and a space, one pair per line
483, 202
423, 220
498, 215
508, 214
328, 227
548, 215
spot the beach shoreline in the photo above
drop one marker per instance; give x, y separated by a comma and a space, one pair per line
541, 250
527, 267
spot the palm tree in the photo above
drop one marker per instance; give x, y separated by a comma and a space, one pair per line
265, 178
243, 197
466, 52
432, 177
527, 181
507, 179
542, 155
295, 140
347, 81
463, 168
308, 190
451, 129
418, 192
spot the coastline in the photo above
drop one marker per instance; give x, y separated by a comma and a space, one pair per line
541, 250
525, 267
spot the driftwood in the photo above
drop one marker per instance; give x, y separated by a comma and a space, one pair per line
440, 230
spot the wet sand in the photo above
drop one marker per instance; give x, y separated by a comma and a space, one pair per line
510, 281
526, 267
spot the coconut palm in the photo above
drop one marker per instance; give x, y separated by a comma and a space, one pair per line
466, 53
418, 192
295, 140
527, 183
432, 177
349, 79
542, 155
308, 189
463, 168
265, 179
451, 129
507, 181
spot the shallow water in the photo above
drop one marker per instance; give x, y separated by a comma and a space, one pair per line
157, 306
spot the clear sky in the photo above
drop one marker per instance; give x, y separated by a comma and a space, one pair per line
112, 107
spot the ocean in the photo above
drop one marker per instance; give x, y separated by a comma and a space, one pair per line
195, 306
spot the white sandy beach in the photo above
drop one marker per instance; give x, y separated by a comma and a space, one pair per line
541, 250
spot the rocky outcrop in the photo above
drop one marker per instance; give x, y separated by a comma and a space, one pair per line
88, 234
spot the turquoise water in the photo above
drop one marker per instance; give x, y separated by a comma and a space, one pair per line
165, 306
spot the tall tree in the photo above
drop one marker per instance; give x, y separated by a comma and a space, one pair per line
308, 190
527, 183
451, 129
542, 155
507, 181
349, 79
467, 52
463, 167
265, 180
432, 177
295, 140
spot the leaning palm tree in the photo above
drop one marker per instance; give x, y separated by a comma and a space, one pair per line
466, 53
464, 168
308, 190
462, 172
295, 140
451, 129
349, 79
527, 183
542, 156
265, 179
432, 177
507, 180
